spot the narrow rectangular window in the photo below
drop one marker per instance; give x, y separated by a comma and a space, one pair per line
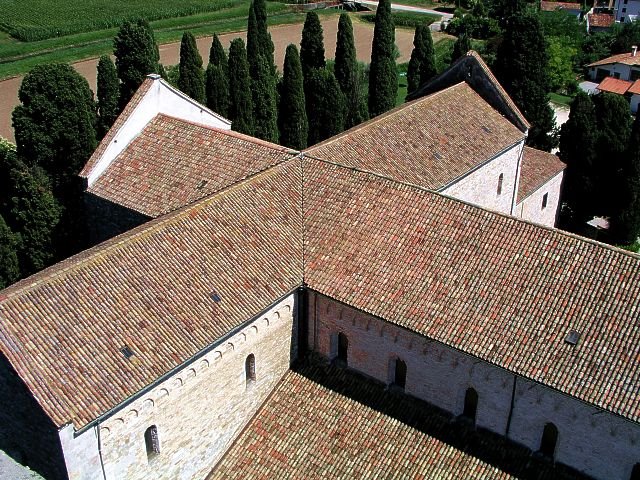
545, 198
499, 189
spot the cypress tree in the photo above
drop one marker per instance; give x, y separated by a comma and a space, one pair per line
9, 268
521, 67
383, 76
191, 79
346, 71
217, 55
461, 47
422, 65
217, 89
240, 102
625, 223
258, 38
312, 44
108, 92
137, 55
325, 105
264, 102
292, 116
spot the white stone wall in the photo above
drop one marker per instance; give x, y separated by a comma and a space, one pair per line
198, 412
531, 207
480, 186
622, 69
81, 453
589, 439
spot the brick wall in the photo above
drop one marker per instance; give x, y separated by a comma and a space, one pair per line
531, 207
588, 438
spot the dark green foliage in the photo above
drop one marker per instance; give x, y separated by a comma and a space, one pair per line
312, 44
521, 67
162, 72
422, 65
136, 55
595, 46
461, 47
265, 106
217, 89
108, 93
240, 101
346, 71
480, 28
625, 223
292, 116
325, 105
259, 42
405, 19
191, 77
578, 150
383, 77
625, 35
217, 55
54, 124
9, 268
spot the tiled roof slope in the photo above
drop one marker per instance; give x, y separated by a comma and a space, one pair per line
173, 163
306, 430
537, 168
627, 58
429, 142
614, 85
498, 288
150, 289
552, 6
603, 20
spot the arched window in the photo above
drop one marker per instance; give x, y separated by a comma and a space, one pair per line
499, 189
400, 373
151, 441
470, 404
549, 440
250, 369
343, 348
635, 473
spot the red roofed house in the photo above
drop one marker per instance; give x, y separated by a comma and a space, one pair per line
619, 74
569, 7
372, 307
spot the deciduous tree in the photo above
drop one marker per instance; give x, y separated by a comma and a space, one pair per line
292, 116
383, 77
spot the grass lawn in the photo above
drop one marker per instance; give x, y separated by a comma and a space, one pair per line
560, 99
406, 19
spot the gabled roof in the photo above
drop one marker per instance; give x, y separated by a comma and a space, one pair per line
600, 20
537, 168
635, 88
430, 141
546, 6
614, 85
625, 58
172, 163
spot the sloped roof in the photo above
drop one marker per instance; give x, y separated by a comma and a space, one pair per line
601, 20
429, 142
625, 58
150, 289
614, 85
172, 163
546, 6
537, 168
498, 288
635, 88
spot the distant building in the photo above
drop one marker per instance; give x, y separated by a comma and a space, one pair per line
619, 74
626, 10
574, 9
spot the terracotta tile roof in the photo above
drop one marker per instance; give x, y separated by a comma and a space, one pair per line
552, 6
537, 168
635, 88
625, 58
614, 85
602, 20
428, 142
149, 289
500, 289
306, 430
172, 163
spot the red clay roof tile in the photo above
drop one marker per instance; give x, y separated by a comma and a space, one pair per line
614, 85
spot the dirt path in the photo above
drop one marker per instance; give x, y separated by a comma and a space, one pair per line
282, 36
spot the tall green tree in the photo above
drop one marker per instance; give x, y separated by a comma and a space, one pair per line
217, 89
312, 44
137, 55
292, 116
265, 104
422, 65
217, 55
346, 72
625, 223
522, 68
460, 47
578, 138
383, 76
9, 242
108, 93
241, 103
325, 105
191, 76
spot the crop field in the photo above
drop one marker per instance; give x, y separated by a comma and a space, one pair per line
34, 20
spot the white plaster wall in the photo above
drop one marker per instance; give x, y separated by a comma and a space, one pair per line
160, 98
622, 69
632, 8
531, 207
635, 102
199, 411
595, 442
81, 453
480, 186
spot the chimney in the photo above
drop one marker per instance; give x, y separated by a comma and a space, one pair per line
634, 50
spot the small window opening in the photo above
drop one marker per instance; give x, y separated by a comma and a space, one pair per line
499, 189
215, 297
250, 369
470, 404
202, 184
343, 348
152, 442
549, 440
545, 199
400, 373
572, 337
127, 352
635, 473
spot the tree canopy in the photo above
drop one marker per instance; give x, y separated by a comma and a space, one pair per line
422, 65
217, 89
240, 101
265, 105
383, 76
312, 44
108, 92
325, 105
347, 72
191, 76
292, 116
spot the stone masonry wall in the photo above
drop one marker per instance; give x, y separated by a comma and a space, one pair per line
588, 438
480, 186
531, 207
201, 409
